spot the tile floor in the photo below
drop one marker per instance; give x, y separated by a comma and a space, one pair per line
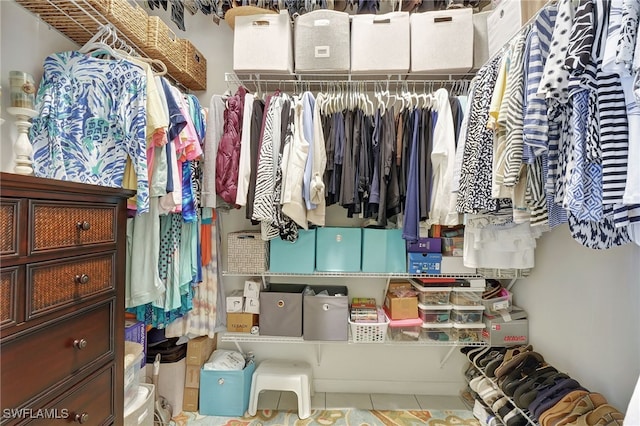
375, 401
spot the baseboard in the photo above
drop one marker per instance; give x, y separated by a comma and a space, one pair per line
386, 386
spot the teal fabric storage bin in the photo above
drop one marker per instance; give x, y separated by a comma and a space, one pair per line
383, 250
225, 392
338, 249
298, 257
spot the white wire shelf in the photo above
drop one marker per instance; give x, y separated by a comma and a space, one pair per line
254, 338
349, 275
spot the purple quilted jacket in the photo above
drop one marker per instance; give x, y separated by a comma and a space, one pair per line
228, 158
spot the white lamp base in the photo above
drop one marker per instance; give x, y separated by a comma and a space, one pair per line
22, 146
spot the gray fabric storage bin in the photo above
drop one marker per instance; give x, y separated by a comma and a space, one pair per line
326, 317
322, 41
281, 310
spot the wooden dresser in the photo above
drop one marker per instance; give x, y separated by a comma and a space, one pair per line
62, 264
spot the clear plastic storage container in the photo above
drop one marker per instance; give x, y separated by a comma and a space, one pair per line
466, 296
434, 314
406, 330
466, 314
437, 332
467, 333
432, 295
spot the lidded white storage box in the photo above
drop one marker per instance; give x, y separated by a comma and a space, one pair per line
321, 40
263, 43
380, 43
442, 41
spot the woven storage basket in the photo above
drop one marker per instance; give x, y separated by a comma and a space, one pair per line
195, 69
247, 252
163, 44
131, 20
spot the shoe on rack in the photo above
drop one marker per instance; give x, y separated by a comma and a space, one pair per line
519, 366
561, 409
550, 396
510, 354
475, 382
500, 403
587, 403
603, 415
475, 352
491, 366
515, 418
483, 359
530, 391
511, 384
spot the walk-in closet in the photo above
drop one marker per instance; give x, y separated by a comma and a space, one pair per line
570, 261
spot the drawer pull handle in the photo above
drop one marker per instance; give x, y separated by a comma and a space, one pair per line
80, 344
82, 418
82, 279
83, 226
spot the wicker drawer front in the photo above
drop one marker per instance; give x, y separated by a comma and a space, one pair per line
8, 227
91, 400
8, 287
52, 285
56, 353
62, 225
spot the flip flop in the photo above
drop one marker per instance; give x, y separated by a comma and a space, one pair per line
562, 408
586, 404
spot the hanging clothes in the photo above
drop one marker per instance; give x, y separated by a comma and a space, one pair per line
100, 122
228, 156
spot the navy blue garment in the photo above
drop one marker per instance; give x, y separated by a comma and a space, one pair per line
411, 225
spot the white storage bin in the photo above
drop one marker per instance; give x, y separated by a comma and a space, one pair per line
133, 353
480, 39
321, 40
140, 411
442, 41
263, 43
380, 43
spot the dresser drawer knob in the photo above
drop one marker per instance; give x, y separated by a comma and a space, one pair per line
82, 279
80, 344
82, 418
84, 225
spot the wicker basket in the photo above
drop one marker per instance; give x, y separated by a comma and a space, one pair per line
163, 44
195, 68
132, 20
369, 332
247, 252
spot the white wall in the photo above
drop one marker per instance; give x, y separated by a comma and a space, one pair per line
584, 314
583, 304
26, 41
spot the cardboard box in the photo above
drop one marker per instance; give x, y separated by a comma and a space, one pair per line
507, 330
190, 398
425, 245
199, 350
241, 322
252, 288
192, 377
252, 305
424, 263
235, 301
135, 331
401, 307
